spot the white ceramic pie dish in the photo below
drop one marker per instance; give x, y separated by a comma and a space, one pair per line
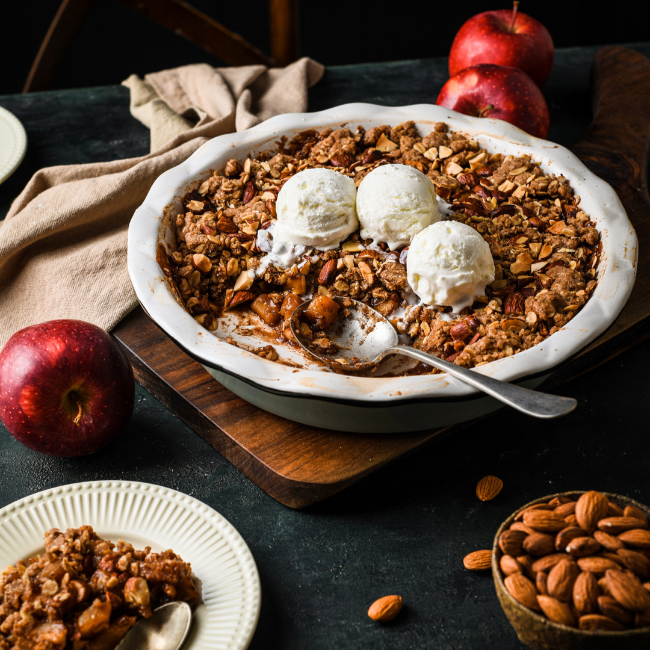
378, 404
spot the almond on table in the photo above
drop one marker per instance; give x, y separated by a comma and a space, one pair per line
488, 487
478, 561
385, 609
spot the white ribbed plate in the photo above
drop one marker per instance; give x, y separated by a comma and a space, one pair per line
151, 515
13, 143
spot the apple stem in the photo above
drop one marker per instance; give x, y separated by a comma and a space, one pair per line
486, 111
515, 6
73, 398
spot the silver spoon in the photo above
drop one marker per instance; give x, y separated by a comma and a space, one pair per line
165, 629
365, 337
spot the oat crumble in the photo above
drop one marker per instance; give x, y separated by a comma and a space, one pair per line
545, 247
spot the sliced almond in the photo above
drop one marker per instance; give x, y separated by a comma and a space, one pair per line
384, 144
431, 154
352, 246
244, 281
517, 171
444, 152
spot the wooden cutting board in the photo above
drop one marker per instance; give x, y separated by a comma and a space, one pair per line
300, 465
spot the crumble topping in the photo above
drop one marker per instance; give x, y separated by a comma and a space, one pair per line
545, 247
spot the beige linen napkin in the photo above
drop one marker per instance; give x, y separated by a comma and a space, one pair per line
63, 244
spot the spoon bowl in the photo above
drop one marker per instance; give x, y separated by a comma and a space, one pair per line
166, 629
363, 337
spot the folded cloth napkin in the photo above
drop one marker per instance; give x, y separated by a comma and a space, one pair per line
63, 244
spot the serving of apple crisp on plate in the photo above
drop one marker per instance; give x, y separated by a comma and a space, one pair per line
70, 588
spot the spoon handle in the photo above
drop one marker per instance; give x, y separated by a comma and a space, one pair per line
531, 402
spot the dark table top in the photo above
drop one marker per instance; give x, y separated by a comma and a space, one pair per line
406, 529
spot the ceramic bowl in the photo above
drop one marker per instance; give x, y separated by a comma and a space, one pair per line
536, 630
375, 404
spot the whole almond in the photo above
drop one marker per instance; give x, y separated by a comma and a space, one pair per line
561, 579
509, 565
646, 586
599, 622
635, 562
558, 501
627, 591
609, 607
602, 585
614, 558
327, 273
385, 609
563, 538
249, 192
522, 590
608, 542
591, 507
616, 525
566, 509
549, 561
556, 611
585, 593
539, 544
596, 564
540, 583
637, 513
636, 537
537, 506
582, 546
526, 562
488, 487
544, 521
520, 525
478, 561
510, 542
571, 520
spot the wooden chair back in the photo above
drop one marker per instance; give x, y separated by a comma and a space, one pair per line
181, 18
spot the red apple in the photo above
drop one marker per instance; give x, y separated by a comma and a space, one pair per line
499, 92
504, 37
66, 388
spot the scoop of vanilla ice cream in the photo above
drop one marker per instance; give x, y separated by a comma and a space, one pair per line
449, 263
394, 203
316, 207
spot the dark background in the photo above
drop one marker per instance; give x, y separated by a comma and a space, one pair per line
115, 41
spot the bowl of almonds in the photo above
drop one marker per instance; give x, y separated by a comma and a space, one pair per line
572, 570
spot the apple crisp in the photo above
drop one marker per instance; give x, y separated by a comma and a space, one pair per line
545, 247
85, 593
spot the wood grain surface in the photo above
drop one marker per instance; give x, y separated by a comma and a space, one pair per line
300, 465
